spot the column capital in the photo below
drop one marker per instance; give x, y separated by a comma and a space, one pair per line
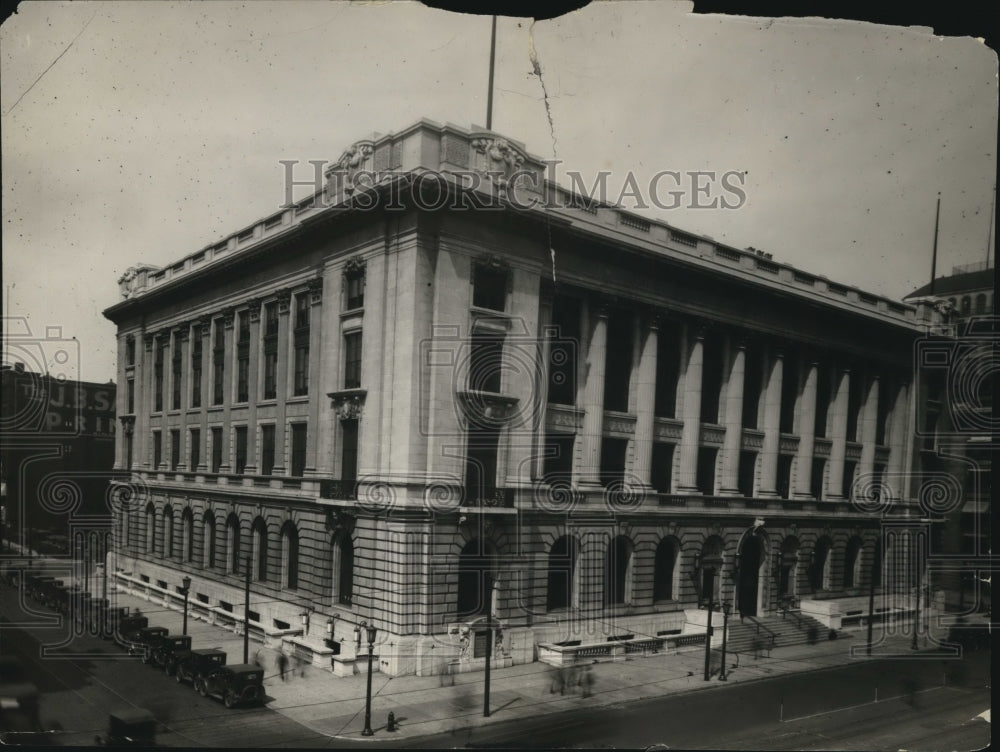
181, 331
253, 307
228, 316
147, 339
284, 300
315, 288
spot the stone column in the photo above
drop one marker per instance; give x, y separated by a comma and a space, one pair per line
869, 424
645, 399
228, 356
253, 386
694, 340
593, 396
807, 434
328, 377
733, 442
205, 332
897, 440
140, 460
541, 395
838, 434
772, 426
281, 381
316, 395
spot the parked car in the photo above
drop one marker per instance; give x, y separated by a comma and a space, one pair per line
236, 685
134, 727
19, 721
170, 649
108, 618
196, 664
145, 640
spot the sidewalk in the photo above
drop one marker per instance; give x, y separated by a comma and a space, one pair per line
335, 706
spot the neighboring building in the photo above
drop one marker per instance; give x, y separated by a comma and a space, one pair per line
58, 448
958, 429
414, 403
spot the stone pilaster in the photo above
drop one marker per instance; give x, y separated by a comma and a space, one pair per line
729, 485
772, 426
645, 399
694, 337
807, 433
593, 395
838, 435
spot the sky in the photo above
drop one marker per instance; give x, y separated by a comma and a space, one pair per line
142, 132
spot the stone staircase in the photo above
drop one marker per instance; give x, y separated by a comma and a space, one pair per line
771, 631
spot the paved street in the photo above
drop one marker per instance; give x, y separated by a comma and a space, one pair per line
804, 697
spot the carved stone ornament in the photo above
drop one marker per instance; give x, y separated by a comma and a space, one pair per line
348, 404
354, 265
488, 408
228, 316
315, 288
147, 340
128, 424
253, 307
284, 300
127, 282
350, 163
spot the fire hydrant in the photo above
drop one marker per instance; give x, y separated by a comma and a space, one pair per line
391, 723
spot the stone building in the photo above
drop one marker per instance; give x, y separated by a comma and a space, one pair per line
443, 386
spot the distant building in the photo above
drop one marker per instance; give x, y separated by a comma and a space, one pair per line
58, 440
413, 401
958, 427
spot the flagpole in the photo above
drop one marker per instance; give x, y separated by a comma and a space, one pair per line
937, 216
489, 94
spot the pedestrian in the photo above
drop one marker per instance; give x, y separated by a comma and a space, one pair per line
587, 681
558, 681
573, 678
910, 690
758, 647
300, 665
282, 664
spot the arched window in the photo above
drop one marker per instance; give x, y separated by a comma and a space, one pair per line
208, 539
259, 535
290, 556
819, 572
981, 303
150, 528
966, 305
563, 591
665, 570
852, 563
709, 570
618, 571
168, 532
343, 568
232, 544
475, 577
187, 534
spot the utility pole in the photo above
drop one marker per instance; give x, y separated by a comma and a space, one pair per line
489, 94
871, 602
708, 631
489, 642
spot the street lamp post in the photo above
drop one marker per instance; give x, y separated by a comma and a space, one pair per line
371, 633
708, 631
186, 585
725, 631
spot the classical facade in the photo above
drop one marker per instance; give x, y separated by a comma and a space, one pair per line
443, 386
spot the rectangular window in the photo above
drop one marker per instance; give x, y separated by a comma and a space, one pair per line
711, 379
489, 288
816, 479
271, 350
270, 374
785, 476
196, 345
271, 319
613, 453
298, 450
486, 363
195, 449
564, 349
706, 470
128, 451
157, 449
130, 351
175, 449
130, 396
243, 358
158, 386
216, 449
352, 360
481, 464
668, 353
748, 467
559, 458
854, 397
848, 480
267, 450
240, 438
349, 450
176, 369
662, 467
355, 284
618, 361
789, 394
300, 377
218, 362
882, 421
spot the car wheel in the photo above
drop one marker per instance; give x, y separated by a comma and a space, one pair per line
178, 677
200, 686
229, 700
168, 669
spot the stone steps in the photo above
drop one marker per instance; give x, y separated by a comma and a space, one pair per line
787, 631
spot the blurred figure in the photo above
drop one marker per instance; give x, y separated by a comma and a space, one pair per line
282, 664
558, 676
910, 690
447, 675
812, 635
758, 647
587, 681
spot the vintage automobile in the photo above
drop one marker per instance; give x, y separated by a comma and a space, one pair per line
196, 664
107, 619
239, 684
170, 649
145, 640
19, 721
133, 727
128, 628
